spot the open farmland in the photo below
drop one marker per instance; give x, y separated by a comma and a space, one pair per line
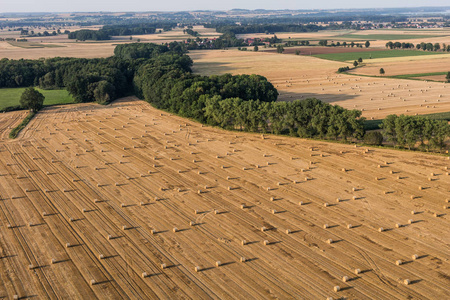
301, 77
10, 120
406, 65
69, 49
126, 201
61, 46
371, 54
324, 50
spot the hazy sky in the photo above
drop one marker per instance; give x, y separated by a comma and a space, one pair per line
177, 5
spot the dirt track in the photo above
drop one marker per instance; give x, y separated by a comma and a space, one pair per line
152, 171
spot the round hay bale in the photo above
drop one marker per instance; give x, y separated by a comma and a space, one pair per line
336, 288
357, 271
380, 229
329, 241
345, 278
398, 262
406, 281
325, 226
414, 256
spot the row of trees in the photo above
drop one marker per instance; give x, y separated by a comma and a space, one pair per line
107, 31
422, 46
263, 28
344, 44
409, 131
303, 118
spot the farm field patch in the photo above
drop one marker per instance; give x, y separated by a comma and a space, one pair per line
11, 97
322, 50
371, 37
28, 45
367, 55
126, 200
404, 66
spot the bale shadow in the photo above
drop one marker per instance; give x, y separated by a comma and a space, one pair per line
227, 263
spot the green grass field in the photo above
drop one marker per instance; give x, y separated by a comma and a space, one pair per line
407, 76
30, 45
350, 56
375, 124
11, 96
392, 37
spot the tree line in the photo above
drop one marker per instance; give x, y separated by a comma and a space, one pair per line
107, 31
422, 46
264, 28
409, 131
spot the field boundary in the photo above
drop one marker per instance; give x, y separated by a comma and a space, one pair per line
404, 77
15, 131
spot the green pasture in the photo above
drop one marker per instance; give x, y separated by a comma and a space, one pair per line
350, 56
10, 97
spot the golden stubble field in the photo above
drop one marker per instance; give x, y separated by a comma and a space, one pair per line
61, 46
301, 77
405, 65
125, 201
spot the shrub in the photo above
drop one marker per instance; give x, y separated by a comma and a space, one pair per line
373, 138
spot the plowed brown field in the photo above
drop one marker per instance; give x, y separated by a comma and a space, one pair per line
91, 196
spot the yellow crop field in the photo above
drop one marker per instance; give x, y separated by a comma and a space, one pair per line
125, 201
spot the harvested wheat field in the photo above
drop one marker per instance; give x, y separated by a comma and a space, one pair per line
70, 49
301, 77
8, 121
405, 65
125, 201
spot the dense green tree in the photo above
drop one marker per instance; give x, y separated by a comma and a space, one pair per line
280, 48
32, 99
436, 47
104, 92
367, 44
373, 138
382, 72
